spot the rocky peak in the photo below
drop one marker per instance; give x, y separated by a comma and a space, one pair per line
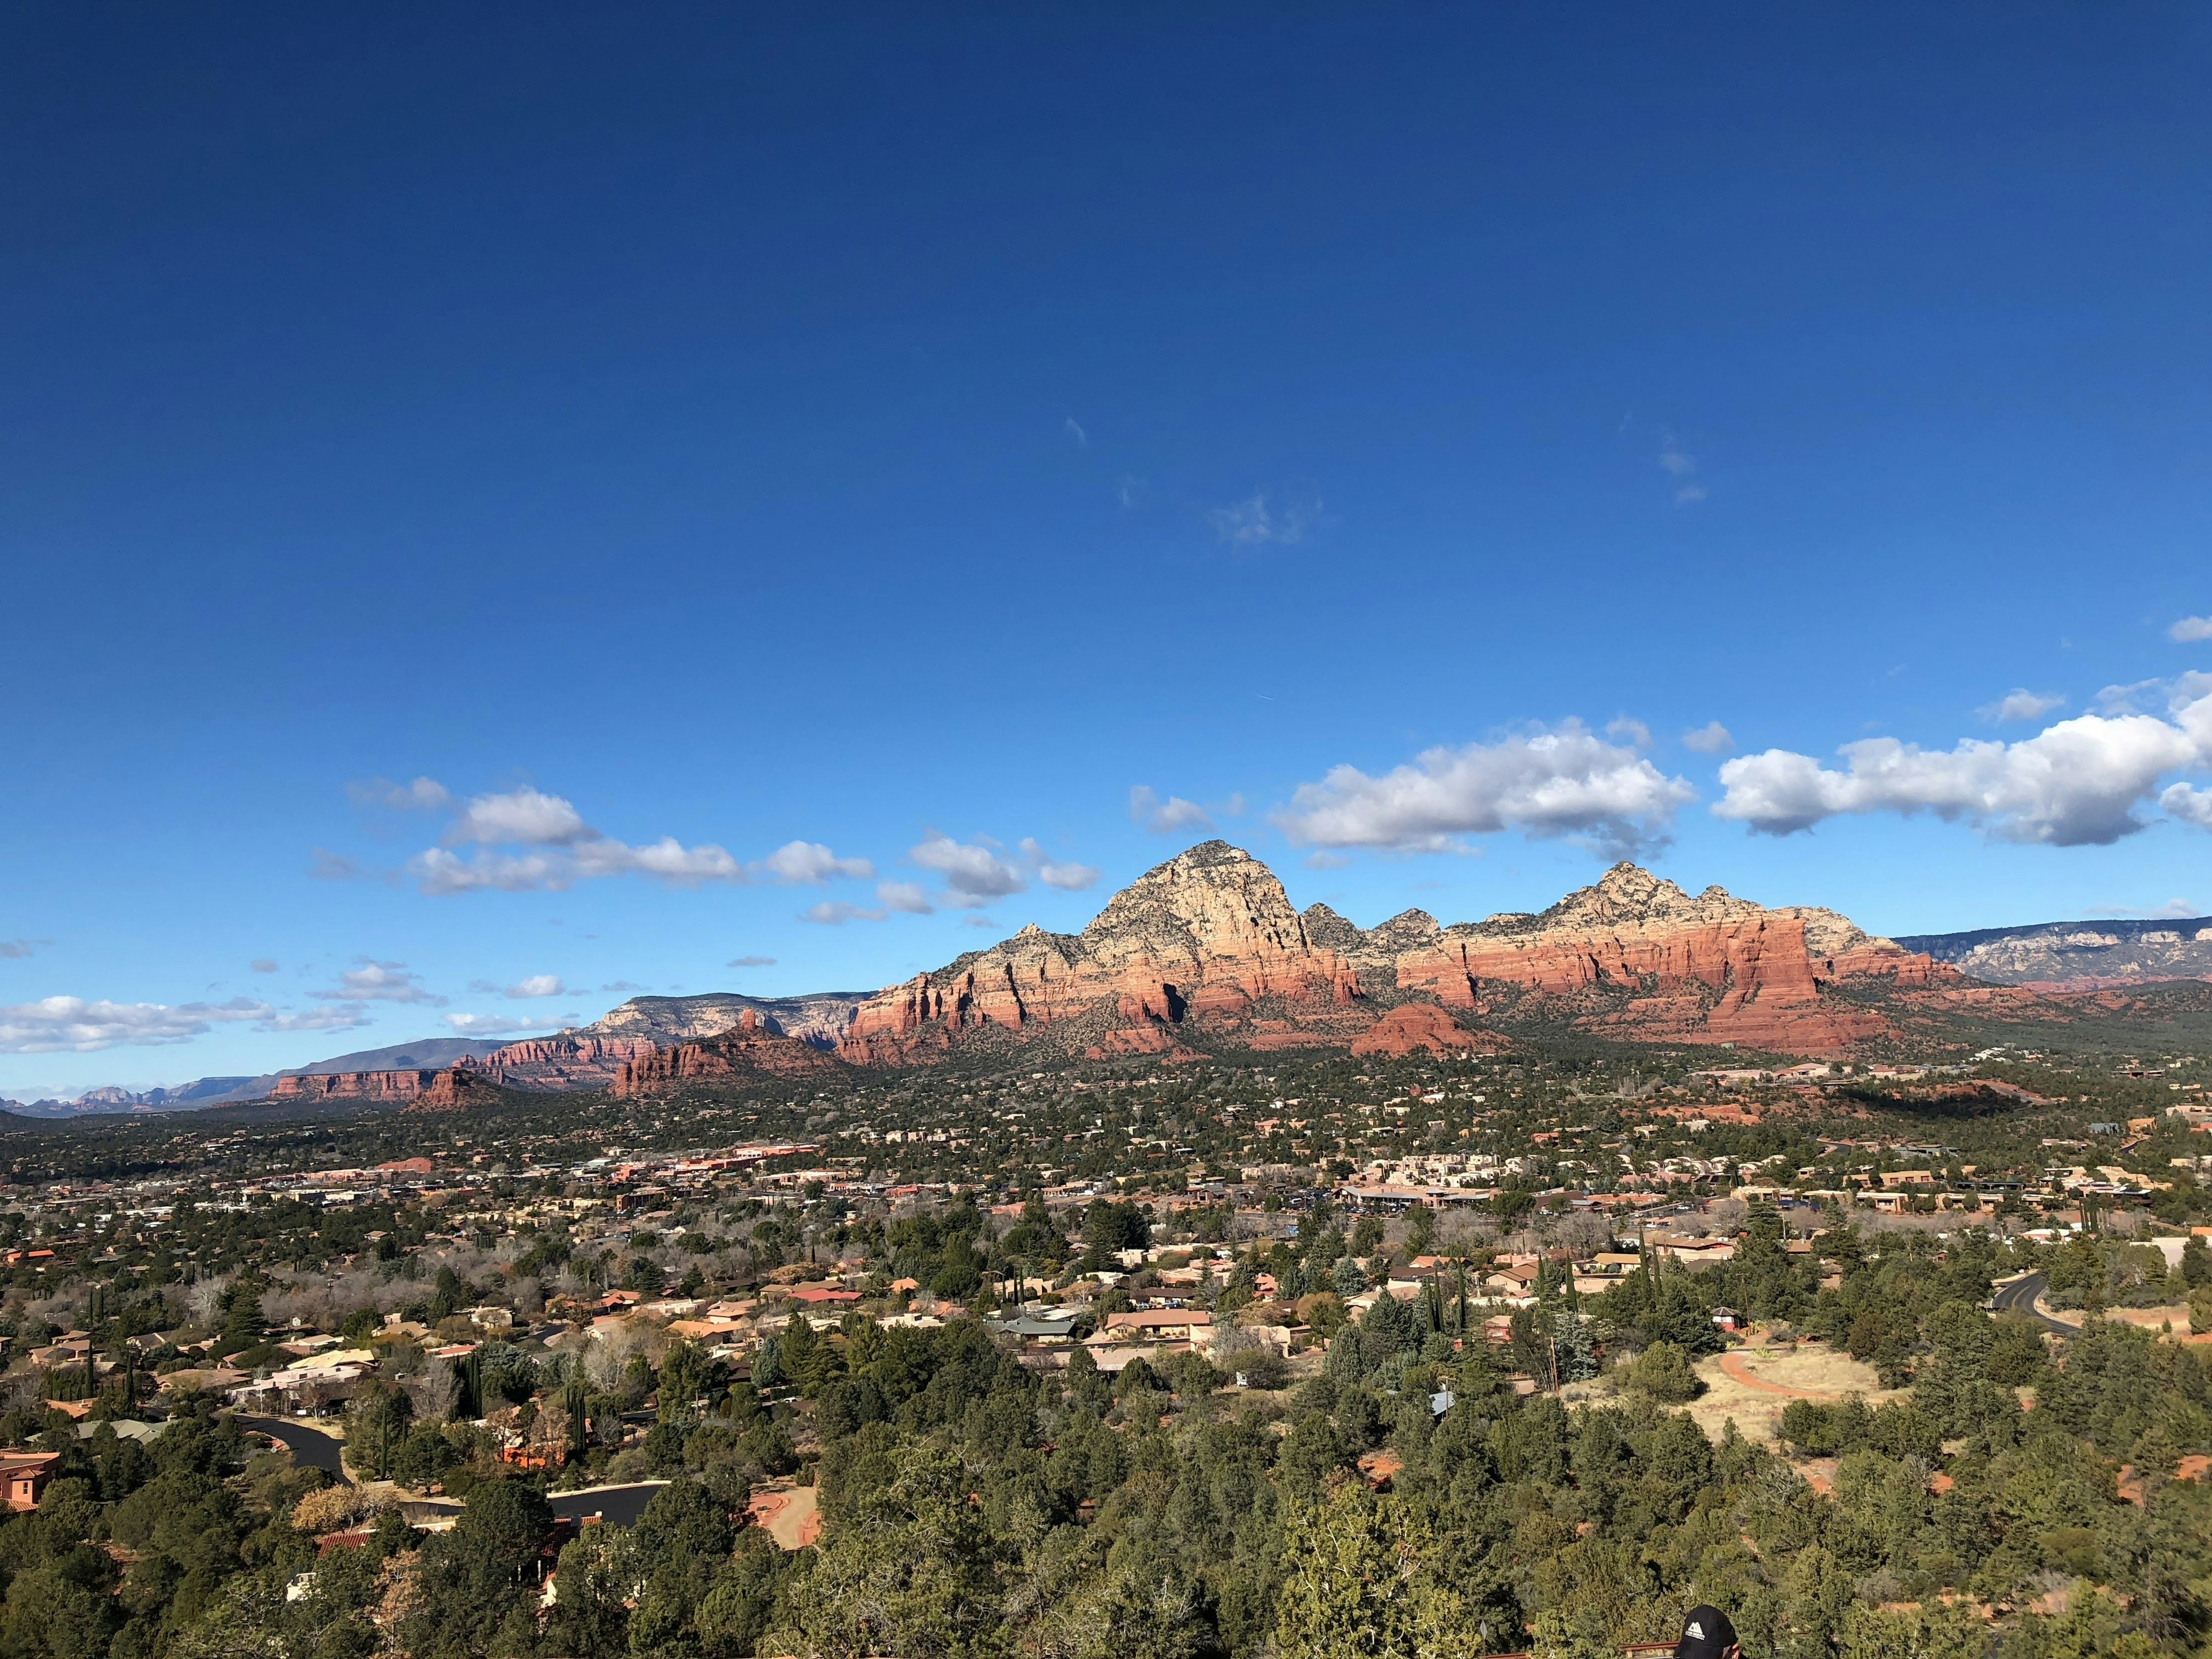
1628, 896
1331, 932
1214, 900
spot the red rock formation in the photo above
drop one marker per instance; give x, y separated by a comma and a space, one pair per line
573, 1059
353, 1086
751, 1049
454, 1090
1204, 937
1753, 980
1418, 1025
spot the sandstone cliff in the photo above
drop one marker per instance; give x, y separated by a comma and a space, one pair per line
1208, 943
384, 1086
752, 1048
1209, 934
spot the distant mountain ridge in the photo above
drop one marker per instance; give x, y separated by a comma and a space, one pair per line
2077, 955
585, 1056
1209, 943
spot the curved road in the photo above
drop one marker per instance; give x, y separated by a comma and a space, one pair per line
617, 1506
2019, 1296
310, 1446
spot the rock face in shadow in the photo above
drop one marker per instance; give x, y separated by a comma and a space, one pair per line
753, 1048
1207, 943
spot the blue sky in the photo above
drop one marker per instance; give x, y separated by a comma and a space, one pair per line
675, 436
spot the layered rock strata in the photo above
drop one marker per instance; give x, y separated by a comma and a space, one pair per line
1208, 934
1208, 942
755, 1048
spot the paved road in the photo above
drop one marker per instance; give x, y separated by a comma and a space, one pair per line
2019, 1296
617, 1506
310, 1446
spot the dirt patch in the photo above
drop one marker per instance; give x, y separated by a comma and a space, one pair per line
1755, 1383
790, 1515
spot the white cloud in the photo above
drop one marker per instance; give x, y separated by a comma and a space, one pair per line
1068, 878
72, 1025
1254, 523
2080, 782
903, 896
2020, 704
262, 964
1075, 431
1710, 739
423, 795
439, 871
491, 1025
1560, 781
379, 981
523, 816
538, 985
2189, 805
2190, 629
810, 862
1166, 817
975, 871
735, 962
338, 1017
834, 914
1633, 732
329, 866
2175, 910
666, 859
1681, 466
15, 948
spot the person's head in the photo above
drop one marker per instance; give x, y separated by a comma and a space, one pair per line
1707, 1634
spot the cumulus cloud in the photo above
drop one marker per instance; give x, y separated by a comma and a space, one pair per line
556, 847
1563, 780
519, 817
1069, 877
536, 985
1710, 739
1166, 817
811, 863
2190, 629
336, 1017
73, 1026
834, 914
903, 896
735, 962
439, 871
2018, 704
1257, 523
469, 1025
379, 981
2189, 805
975, 871
423, 795
1633, 732
262, 964
2080, 782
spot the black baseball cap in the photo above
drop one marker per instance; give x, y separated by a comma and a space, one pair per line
1706, 1634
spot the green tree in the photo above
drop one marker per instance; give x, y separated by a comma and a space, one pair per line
1359, 1578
